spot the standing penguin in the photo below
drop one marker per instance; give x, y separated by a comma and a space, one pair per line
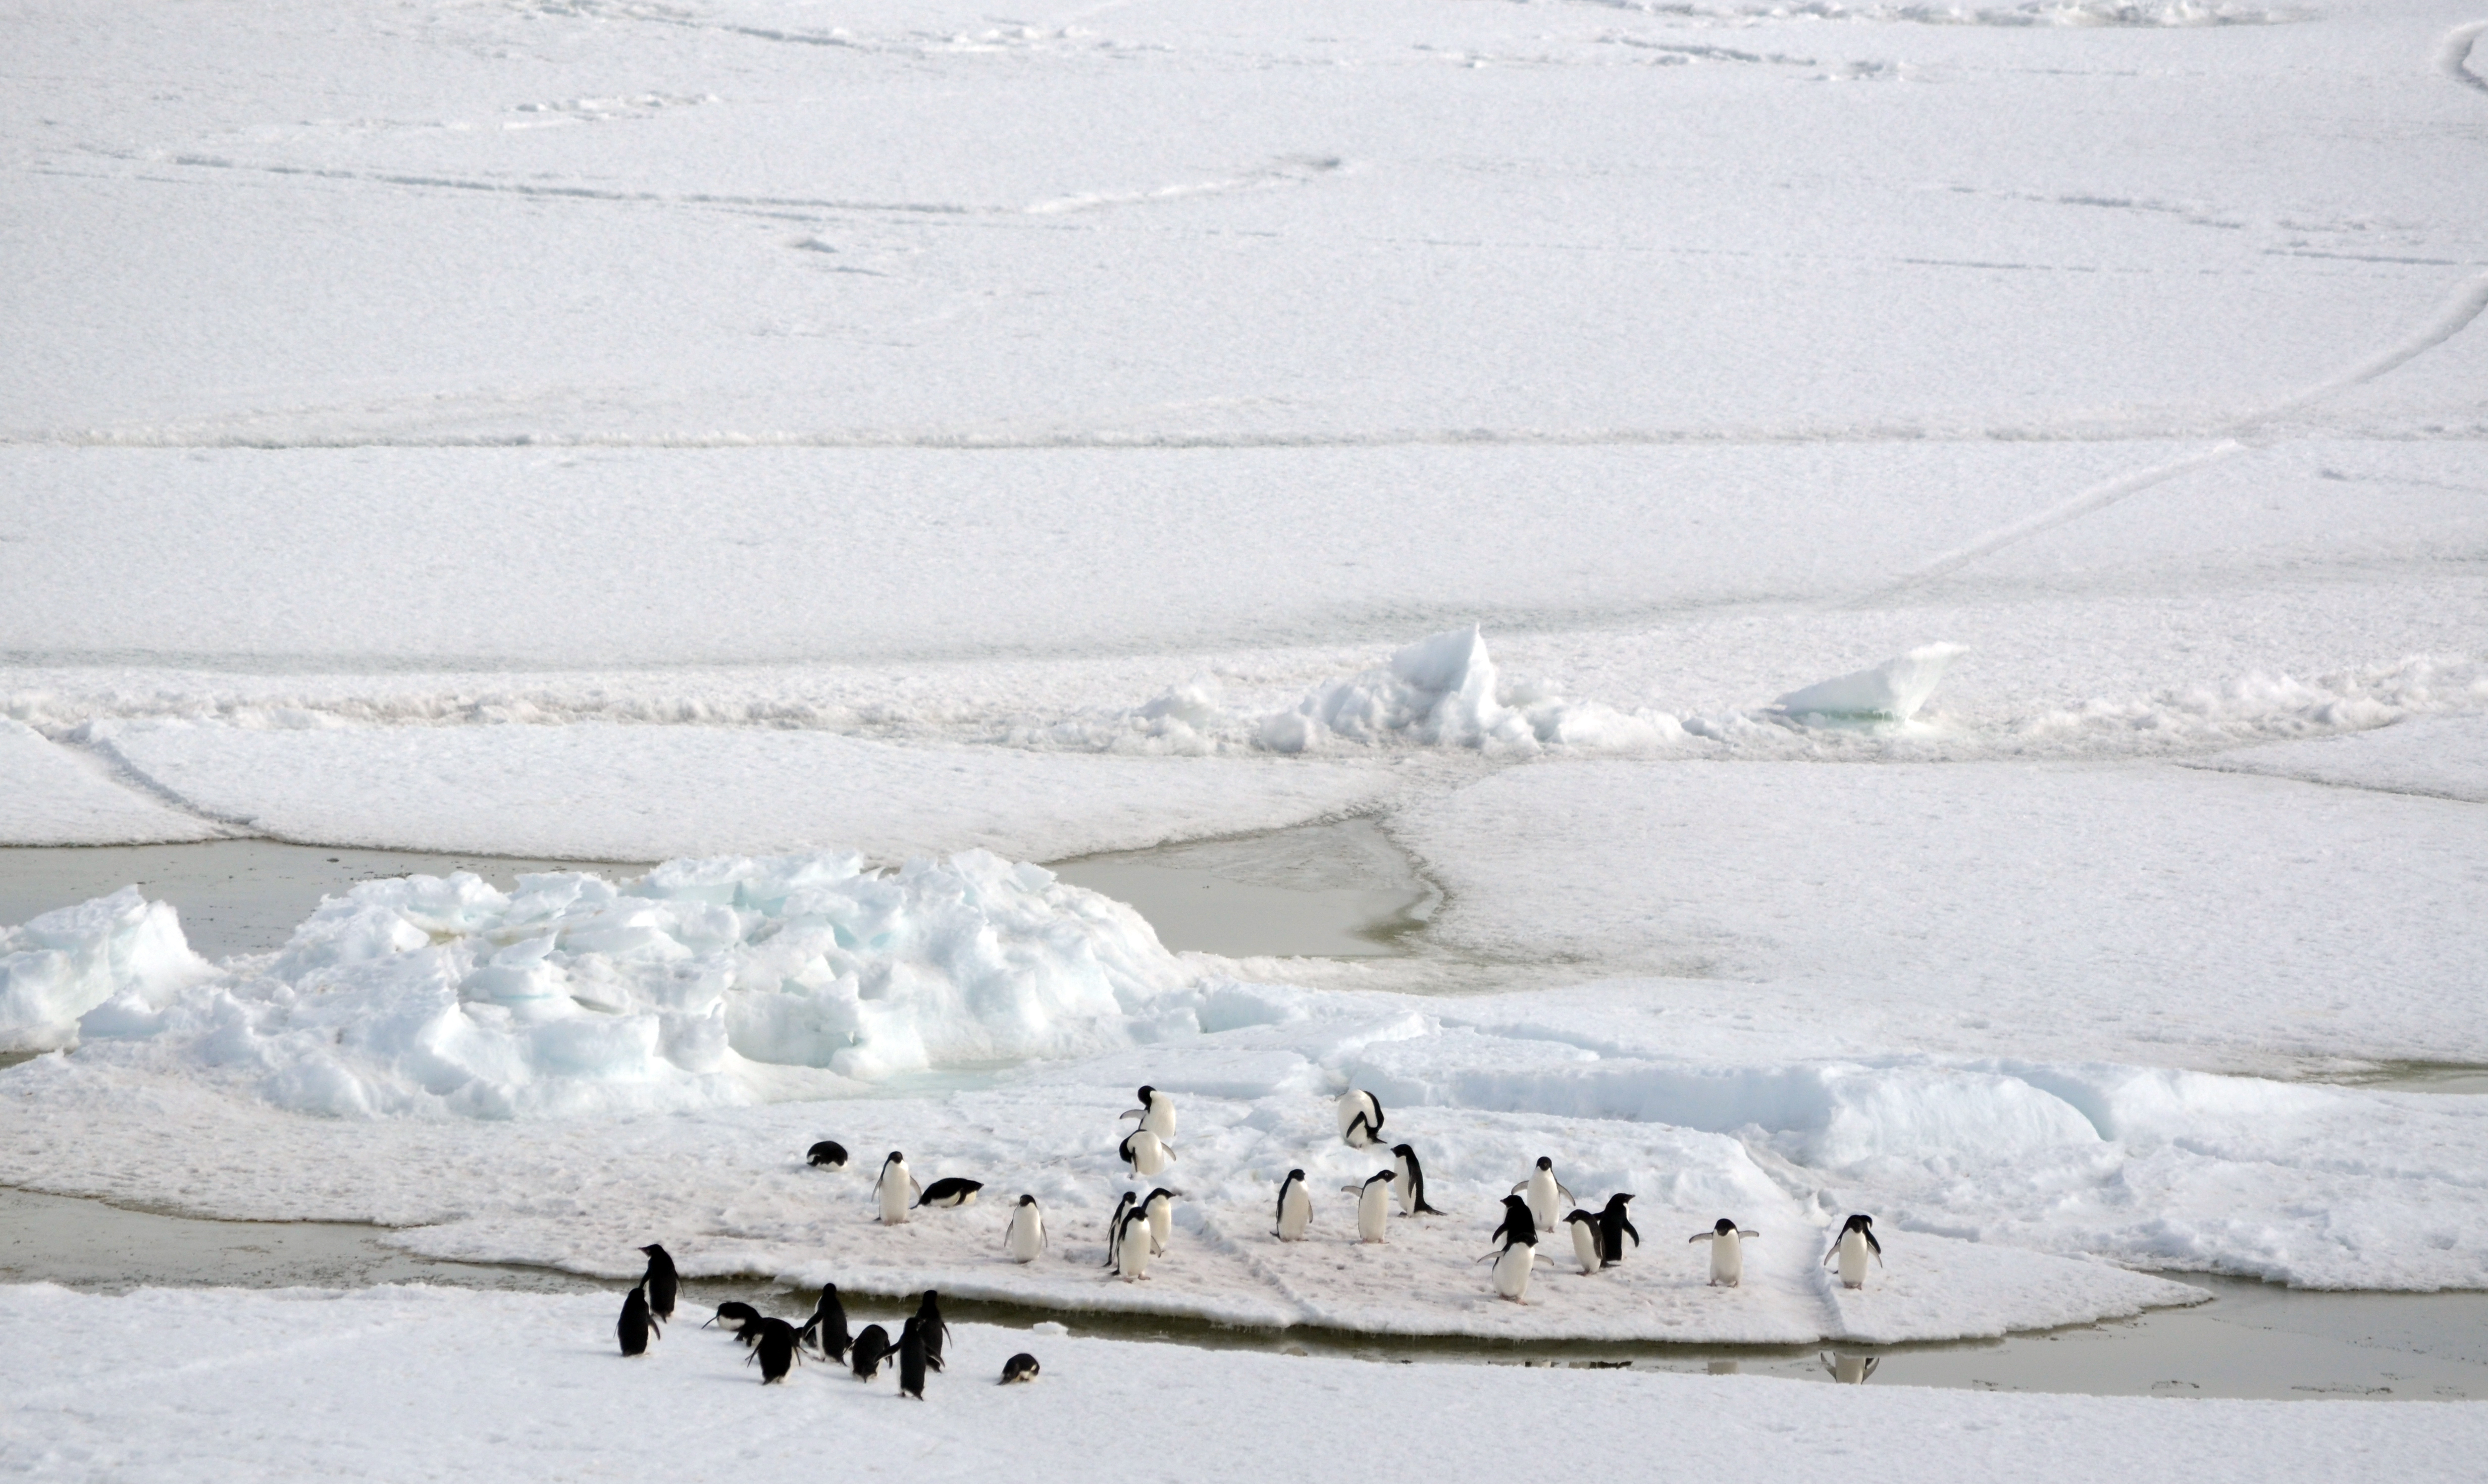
1412, 1182
1019, 1368
1160, 1205
1025, 1236
1144, 1152
1857, 1239
1516, 1218
1295, 1208
661, 1281
1727, 1251
774, 1347
896, 1189
828, 1154
635, 1325
1132, 1248
1360, 1118
1520, 1250
1585, 1239
871, 1348
1115, 1229
912, 1356
828, 1326
1157, 1113
951, 1191
1614, 1226
930, 1328
1373, 1205
1544, 1192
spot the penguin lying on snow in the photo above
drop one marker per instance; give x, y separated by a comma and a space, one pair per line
896, 1189
1360, 1118
1295, 1208
1025, 1237
828, 1326
661, 1281
1021, 1367
635, 1325
1157, 1113
951, 1191
1373, 1205
1144, 1152
733, 1314
1856, 1242
870, 1347
1727, 1251
1412, 1182
828, 1154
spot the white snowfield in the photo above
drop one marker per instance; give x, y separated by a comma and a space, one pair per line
219, 1385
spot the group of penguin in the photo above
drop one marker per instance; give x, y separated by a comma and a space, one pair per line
777, 1346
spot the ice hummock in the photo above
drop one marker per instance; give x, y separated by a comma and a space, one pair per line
1890, 691
1445, 691
64, 964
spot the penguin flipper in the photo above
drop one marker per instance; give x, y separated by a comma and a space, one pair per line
1523, 1185
1566, 1195
1700, 1236
1874, 1246
1634, 1235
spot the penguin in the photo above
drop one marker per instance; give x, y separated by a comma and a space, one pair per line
774, 1348
912, 1356
734, 1314
1295, 1208
1021, 1367
1373, 1205
1157, 1113
930, 1328
1856, 1242
1360, 1119
1412, 1182
1160, 1205
637, 1324
1585, 1240
1518, 1223
1519, 1253
750, 1330
661, 1281
828, 1154
1145, 1153
1614, 1226
1132, 1247
828, 1326
869, 1347
1727, 1251
1115, 1229
950, 1190
1025, 1236
895, 1190
1543, 1189
1851, 1369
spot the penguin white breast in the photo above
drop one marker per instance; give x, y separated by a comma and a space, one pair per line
1585, 1245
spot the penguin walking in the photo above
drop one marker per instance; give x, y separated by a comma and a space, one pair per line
734, 1314
1411, 1184
773, 1346
1360, 1118
1546, 1193
1518, 1254
1614, 1226
1160, 1205
828, 1154
896, 1189
1585, 1240
951, 1191
1727, 1251
1019, 1369
1133, 1249
1144, 1152
1115, 1229
1025, 1237
930, 1328
1373, 1205
661, 1281
912, 1359
1157, 1113
637, 1324
828, 1326
871, 1348
1857, 1242
1295, 1208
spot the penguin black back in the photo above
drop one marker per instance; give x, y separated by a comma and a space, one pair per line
635, 1325
950, 1191
774, 1347
928, 1322
912, 1357
1115, 1228
1518, 1225
869, 1347
828, 1326
1018, 1367
661, 1281
828, 1152
1416, 1181
1614, 1226
733, 1314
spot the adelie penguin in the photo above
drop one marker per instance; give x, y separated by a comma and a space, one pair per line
828, 1154
912, 1356
1295, 1208
1519, 1253
661, 1281
1585, 1239
871, 1348
895, 1190
773, 1345
1157, 1113
1546, 1193
1160, 1205
1855, 1242
951, 1191
828, 1326
1144, 1152
734, 1314
1021, 1367
1412, 1181
1373, 1205
1614, 1226
637, 1324
1025, 1237
929, 1326
1727, 1251
1115, 1228
1134, 1248
1360, 1118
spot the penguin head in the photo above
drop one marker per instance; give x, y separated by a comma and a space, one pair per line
1386, 1176
895, 1158
1723, 1226
1157, 1195
1147, 1092
1516, 1203
1545, 1163
1404, 1150
1294, 1177
1617, 1203
1582, 1215
1028, 1200
1857, 1223
653, 1249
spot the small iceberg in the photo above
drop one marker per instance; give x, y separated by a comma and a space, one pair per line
1890, 691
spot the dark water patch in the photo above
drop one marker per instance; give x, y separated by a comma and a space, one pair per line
1334, 891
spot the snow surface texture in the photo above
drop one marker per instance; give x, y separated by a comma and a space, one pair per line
160, 1384
2446, 758
49, 796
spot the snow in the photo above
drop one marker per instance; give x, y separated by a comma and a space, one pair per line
49, 796
2446, 757
64, 964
